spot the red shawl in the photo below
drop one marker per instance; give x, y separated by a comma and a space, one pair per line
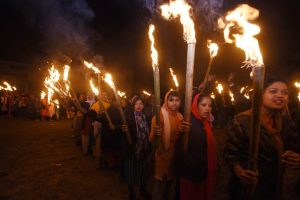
207, 185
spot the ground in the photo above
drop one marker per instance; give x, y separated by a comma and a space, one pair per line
39, 160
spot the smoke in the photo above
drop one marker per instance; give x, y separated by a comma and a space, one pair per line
208, 12
62, 24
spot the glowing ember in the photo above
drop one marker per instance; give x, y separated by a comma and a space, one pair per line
94, 89
146, 93
174, 78
179, 8
238, 20
219, 88
213, 48
92, 67
109, 81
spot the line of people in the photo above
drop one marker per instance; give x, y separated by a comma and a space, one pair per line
193, 168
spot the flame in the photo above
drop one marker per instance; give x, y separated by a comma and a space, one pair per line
109, 81
219, 88
231, 96
242, 89
146, 93
121, 94
14, 88
298, 86
43, 95
56, 102
212, 95
213, 48
247, 96
92, 67
174, 78
8, 86
238, 18
94, 89
179, 8
66, 72
154, 54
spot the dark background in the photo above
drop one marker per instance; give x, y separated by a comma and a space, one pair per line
37, 32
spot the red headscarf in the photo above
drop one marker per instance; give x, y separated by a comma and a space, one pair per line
211, 148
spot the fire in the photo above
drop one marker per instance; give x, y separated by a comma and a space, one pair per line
179, 8
56, 102
298, 86
43, 95
94, 89
121, 94
66, 72
238, 18
212, 95
7, 87
242, 89
154, 54
219, 88
92, 67
109, 81
174, 78
213, 48
146, 93
231, 96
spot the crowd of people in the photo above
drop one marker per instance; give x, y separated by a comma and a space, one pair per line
193, 167
184, 154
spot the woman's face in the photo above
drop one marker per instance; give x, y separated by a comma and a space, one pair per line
138, 106
204, 107
276, 96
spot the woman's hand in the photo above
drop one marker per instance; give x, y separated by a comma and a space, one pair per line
125, 128
157, 131
291, 159
246, 176
184, 127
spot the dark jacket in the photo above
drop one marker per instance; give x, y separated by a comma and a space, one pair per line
193, 164
130, 118
237, 148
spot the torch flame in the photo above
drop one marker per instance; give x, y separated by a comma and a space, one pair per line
92, 67
43, 95
246, 41
8, 86
212, 95
66, 72
154, 54
231, 96
213, 48
219, 88
179, 8
146, 93
298, 86
94, 89
174, 78
121, 94
109, 81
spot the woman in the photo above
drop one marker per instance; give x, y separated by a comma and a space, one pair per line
197, 166
137, 153
279, 145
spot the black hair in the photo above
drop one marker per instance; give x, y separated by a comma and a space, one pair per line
270, 79
135, 99
173, 93
201, 97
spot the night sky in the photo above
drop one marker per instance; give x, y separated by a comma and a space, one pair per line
37, 31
